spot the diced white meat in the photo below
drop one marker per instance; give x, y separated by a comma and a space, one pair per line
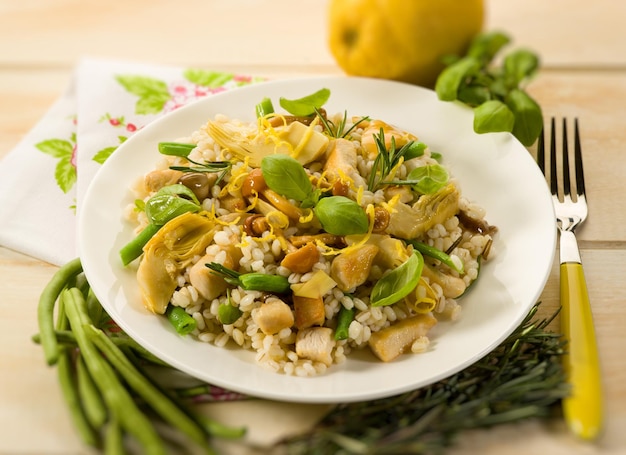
392, 341
156, 180
316, 343
341, 162
273, 316
351, 268
209, 284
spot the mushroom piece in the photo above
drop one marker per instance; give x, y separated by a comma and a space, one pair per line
316, 343
408, 222
302, 260
254, 184
273, 316
390, 342
198, 182
352, 267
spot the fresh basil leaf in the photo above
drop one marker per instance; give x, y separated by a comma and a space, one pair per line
528, 116
474, 95
178, 189
451, 78
493, 116
519, 65
485, 46
398, 283
340, 215
306, 105
312, 199
165, 207
428, 179
286, 176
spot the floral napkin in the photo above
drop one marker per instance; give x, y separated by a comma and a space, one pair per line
43, 179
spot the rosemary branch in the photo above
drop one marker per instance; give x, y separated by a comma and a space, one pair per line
521, 378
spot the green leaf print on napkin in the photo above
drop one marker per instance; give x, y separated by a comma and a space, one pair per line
205, 78
65, 171
106, 152
152, 93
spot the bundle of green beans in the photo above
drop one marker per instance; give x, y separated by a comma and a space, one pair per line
114, 402
111, 398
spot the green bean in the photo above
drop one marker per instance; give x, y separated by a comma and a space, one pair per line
435, 253
64, 338
113, 438
182, 321
261, 282
175, 148
264, 108
228, 314
45, 308
344, 319
153, 396
115, 395
219, 430
67, 338
95, 411
133, 249
94, 308
70, 393
252, 281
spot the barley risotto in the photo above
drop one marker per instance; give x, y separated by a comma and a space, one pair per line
304, 236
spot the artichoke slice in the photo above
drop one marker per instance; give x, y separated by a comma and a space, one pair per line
430, 209
167, 253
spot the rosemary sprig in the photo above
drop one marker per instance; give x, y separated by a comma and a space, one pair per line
387, 159
522, 378
183, 150
339, 130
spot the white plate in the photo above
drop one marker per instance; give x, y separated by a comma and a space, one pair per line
494, 170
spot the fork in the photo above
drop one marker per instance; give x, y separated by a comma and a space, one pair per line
583, 408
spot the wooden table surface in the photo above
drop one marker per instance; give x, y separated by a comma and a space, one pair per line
583, 50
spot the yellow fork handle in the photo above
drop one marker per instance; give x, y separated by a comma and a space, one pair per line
583, 409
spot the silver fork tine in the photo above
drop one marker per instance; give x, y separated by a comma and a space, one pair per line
554, 183
567, 190
578, 162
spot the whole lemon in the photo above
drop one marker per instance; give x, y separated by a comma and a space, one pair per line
402, 40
